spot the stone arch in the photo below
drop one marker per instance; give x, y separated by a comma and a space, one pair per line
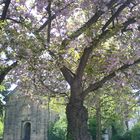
27, 131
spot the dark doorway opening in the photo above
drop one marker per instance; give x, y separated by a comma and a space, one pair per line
27, 131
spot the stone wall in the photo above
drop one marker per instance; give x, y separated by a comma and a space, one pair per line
22, 110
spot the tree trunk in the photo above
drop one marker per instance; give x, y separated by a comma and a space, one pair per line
77, 117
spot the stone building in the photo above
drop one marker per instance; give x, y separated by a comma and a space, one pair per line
26, 118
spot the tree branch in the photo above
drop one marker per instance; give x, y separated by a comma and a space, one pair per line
128, 22
49, 21
84, 58
51, 90
78, 32
52, 17
116, 14
94, 44
88, 24
99, 84
88, 51
5, 9
68, 75
14, 20
5, 71
112, 2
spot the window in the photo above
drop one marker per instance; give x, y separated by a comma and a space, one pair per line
27, 131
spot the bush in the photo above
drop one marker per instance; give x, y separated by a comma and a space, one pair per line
92, 127
58, 130
135, 132
127, 136
117, 130
51, 135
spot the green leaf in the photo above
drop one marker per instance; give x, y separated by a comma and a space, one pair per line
2, 88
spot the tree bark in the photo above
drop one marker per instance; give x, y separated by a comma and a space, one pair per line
77, 115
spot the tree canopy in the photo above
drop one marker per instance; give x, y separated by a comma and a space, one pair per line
73, 47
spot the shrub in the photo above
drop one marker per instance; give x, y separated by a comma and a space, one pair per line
135, 132
92, 127
58, 130
127, 136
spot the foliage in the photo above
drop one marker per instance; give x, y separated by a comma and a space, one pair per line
117, 131
52, 136
132, 134
127, 136
2, 88
92, 127
1, 127
135, 132
28, 45
115, 106
58, 129
70, 48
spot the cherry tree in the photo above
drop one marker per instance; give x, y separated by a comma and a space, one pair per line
74, 45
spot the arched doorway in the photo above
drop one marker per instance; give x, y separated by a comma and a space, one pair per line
27, 131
